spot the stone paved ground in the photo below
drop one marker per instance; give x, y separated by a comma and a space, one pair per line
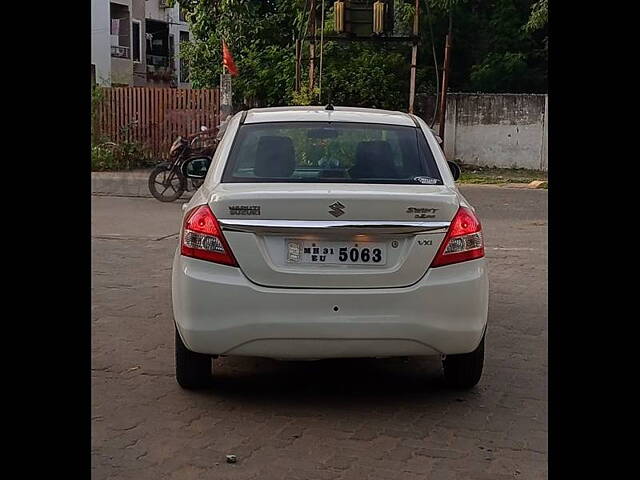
351, 419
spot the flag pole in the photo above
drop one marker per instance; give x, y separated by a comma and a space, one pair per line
225, 90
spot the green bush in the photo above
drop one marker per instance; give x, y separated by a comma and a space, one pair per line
107, 156
305, 96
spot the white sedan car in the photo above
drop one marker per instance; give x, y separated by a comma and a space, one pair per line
329, 232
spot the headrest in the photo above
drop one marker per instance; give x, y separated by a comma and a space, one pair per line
275, 157
374, 160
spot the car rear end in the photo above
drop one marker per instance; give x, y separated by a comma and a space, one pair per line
325, 236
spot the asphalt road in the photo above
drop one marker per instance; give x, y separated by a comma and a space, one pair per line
343, 419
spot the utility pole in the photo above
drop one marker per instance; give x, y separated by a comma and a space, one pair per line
414, 58
312, 45
445, 80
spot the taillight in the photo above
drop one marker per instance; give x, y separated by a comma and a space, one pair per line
463, 240
202, 237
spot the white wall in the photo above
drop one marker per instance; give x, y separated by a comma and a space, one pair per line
153, 11
101, 41
497, 130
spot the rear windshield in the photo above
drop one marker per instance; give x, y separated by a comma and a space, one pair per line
332, 152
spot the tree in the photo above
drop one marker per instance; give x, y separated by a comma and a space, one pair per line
496, 49
492, 50
260, 36
539, 16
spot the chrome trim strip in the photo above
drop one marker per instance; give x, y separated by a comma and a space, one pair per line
354, 226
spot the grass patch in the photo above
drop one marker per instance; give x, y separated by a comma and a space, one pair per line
493, 175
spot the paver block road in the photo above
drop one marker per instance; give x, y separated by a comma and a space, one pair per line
340, 419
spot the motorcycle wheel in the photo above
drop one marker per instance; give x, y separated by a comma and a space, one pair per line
165, 185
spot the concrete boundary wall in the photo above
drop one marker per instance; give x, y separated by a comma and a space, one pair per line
496, 130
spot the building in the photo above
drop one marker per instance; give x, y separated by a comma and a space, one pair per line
137, 43
166, 29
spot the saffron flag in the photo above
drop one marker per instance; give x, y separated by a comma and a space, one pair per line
227, 60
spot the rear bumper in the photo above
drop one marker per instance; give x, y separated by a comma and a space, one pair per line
218, 311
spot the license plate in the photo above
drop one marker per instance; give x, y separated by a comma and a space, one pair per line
332, 253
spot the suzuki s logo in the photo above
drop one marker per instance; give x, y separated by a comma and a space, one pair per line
336, 209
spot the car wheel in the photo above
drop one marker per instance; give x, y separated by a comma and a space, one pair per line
193, 370
464, 370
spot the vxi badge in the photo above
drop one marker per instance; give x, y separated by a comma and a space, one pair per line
336, 209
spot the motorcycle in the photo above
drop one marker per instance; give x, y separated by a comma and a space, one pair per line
167, 181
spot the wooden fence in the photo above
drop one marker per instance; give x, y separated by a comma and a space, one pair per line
154, 117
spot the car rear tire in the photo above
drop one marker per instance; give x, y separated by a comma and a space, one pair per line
193, 370
464, 370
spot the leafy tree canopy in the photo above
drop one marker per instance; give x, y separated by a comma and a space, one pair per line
498, 46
